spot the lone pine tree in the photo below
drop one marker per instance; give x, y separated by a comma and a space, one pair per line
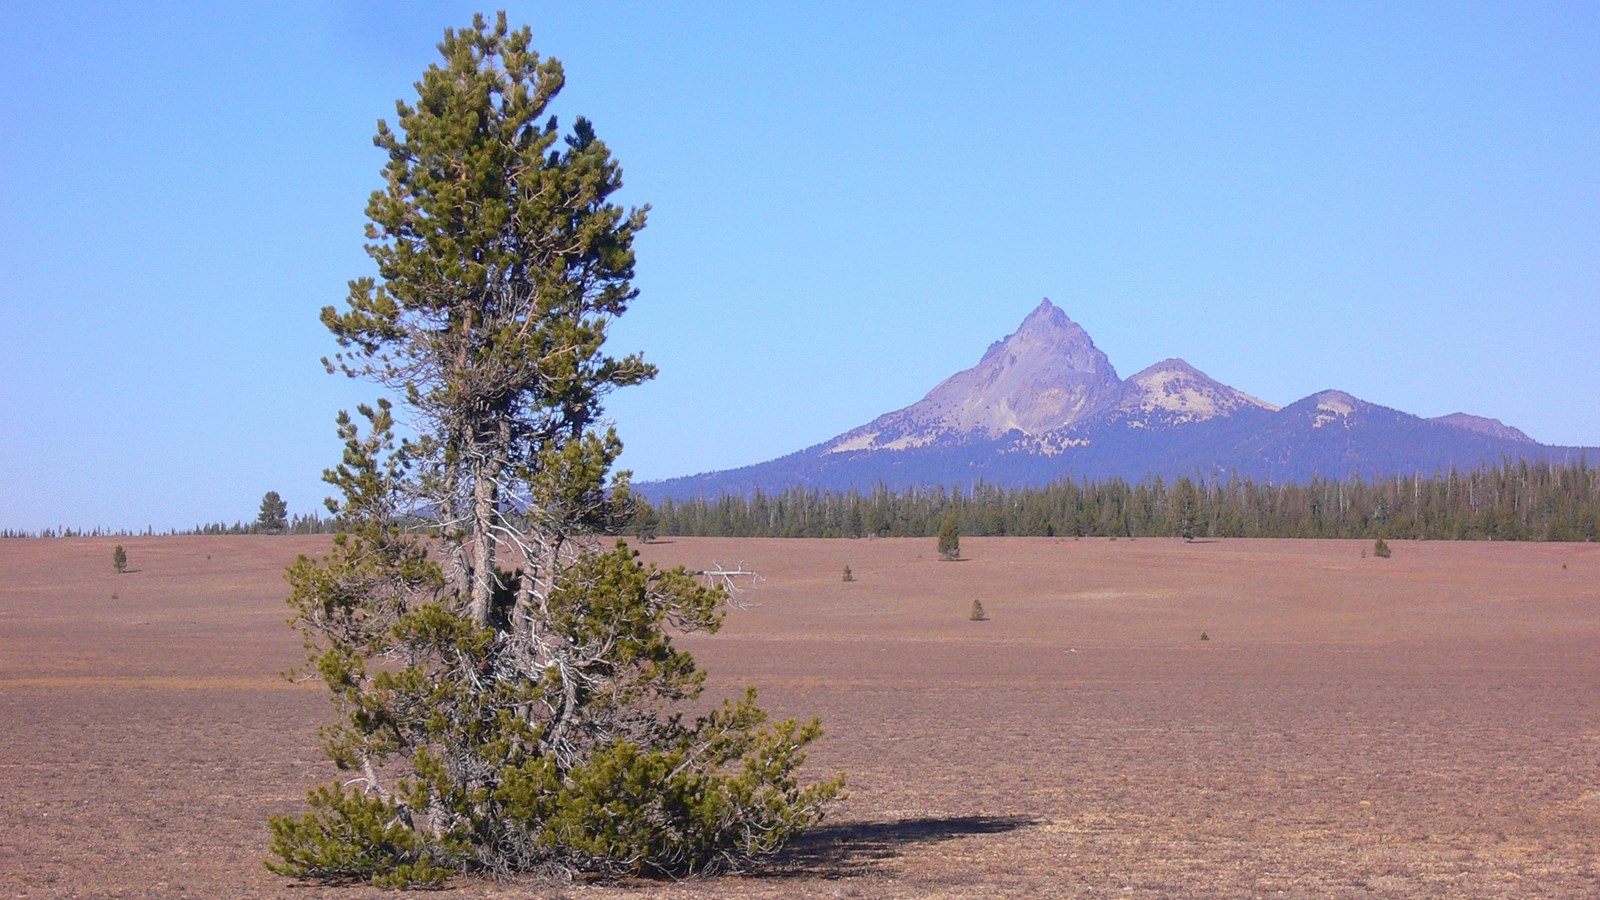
1185, 508
274, 515
949, 538
506, 685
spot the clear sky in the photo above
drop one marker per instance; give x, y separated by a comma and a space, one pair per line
850, 202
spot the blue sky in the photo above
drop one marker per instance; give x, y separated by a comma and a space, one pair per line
850, 202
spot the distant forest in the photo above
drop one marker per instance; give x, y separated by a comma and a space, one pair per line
310, 524
1513, 501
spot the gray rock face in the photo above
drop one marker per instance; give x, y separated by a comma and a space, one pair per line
1045, 376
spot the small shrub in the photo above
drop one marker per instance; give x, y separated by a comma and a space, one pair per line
1204, 636
119, 559
848, 575
1381, 550
978, 615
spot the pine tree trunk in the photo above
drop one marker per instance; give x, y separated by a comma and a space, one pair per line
486, 468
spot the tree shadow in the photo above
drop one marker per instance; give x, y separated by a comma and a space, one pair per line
855, 848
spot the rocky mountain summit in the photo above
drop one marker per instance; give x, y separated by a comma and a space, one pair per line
1046, 376
1048, 381
1045, 403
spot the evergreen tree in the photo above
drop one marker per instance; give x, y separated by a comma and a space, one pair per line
646, 523
505, 684
119, 559
949, 538
1185, 504
274, 515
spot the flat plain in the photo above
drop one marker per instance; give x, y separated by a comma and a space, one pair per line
1424, 725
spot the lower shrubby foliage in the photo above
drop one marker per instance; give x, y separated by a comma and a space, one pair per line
504, 750
350, 835
722, 797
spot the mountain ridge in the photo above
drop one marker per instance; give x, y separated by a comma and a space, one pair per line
1045, 403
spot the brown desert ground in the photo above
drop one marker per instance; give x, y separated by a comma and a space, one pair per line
1425, 725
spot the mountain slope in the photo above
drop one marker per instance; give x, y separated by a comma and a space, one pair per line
1484, 425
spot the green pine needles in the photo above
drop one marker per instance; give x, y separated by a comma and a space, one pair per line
274, 515
949, 538
507, 688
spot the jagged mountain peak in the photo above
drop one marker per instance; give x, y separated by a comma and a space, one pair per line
1047, 339
1045, 375
1047, 315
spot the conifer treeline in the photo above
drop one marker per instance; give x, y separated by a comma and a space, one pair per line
1537, 501
1514, 501
308, 524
